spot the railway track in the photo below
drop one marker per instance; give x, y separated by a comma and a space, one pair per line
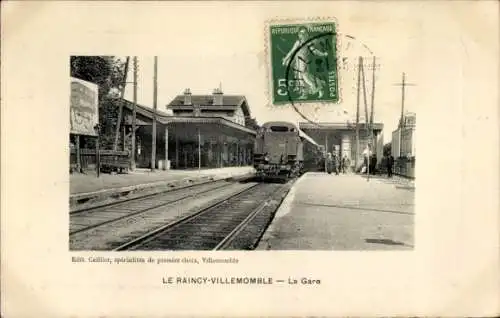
89, 219
214, 227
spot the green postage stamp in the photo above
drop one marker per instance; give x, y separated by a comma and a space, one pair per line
303, 62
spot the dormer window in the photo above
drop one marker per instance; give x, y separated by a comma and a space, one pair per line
196, 111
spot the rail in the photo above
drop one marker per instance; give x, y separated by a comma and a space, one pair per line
222, 221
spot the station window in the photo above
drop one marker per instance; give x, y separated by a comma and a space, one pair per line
279, 128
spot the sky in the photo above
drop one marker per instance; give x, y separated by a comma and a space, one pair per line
239, 65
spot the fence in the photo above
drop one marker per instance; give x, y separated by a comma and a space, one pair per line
108, 159
405, 167
402, 166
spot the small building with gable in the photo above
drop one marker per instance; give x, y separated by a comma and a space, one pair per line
233, 108
403, 138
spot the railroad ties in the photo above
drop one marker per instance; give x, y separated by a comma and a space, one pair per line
211, 216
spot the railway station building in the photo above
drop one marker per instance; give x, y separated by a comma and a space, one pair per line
340, 137
203, 131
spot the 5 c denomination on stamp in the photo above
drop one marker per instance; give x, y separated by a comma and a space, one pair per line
303, 59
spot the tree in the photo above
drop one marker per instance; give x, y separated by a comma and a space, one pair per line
105, 71
108, 73
387, 149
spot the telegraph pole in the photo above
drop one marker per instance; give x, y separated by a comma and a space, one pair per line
364, 95
373, 95
370, 133
403, 85
366, 122
155, 102
132, 158
357, 111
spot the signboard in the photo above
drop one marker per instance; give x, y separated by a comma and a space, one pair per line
84, 107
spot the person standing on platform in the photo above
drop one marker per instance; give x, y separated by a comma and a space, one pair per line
390, 164
373, 164
329, 162
336, 163
366, 154
345, 164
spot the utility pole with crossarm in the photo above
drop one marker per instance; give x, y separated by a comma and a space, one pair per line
403, 84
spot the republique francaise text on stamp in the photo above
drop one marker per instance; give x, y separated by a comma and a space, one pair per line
303, 62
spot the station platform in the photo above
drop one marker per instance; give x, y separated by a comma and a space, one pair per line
344, 212
85, 187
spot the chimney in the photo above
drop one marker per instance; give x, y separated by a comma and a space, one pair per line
218, 96
187, 97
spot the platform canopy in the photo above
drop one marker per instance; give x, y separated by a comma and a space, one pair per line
187, 128
377, 127
305, 136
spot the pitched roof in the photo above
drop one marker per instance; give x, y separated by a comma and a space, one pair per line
146, 111
230, 101
206, 100
207, 120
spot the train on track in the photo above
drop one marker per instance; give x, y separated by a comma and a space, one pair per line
284, 151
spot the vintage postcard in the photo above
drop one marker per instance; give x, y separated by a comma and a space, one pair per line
249, 159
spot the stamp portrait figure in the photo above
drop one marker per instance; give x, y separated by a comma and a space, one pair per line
311, 83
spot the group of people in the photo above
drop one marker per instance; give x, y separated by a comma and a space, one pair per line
387, 162
336, 164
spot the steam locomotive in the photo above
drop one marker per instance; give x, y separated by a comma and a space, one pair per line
283, 150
